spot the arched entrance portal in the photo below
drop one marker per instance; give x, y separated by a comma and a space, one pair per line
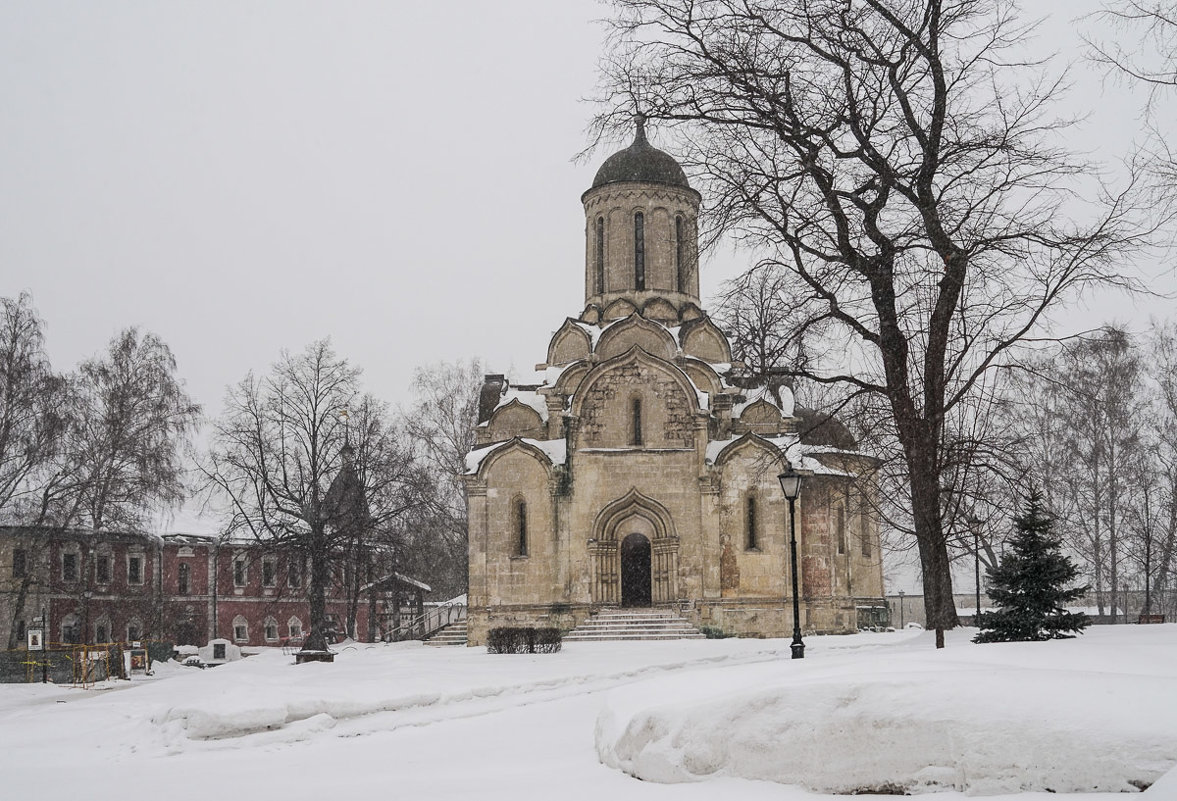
635, 571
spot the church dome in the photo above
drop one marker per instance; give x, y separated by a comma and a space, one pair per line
641, 162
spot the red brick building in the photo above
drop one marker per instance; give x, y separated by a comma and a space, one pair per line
186, 589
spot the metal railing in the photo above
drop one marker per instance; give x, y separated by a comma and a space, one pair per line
428, 622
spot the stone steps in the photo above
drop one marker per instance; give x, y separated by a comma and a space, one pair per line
453, 634
633, 624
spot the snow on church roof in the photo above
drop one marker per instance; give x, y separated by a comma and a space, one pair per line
555, 449
758, 394
797, 454
528, 397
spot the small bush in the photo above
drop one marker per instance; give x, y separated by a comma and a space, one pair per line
523, 640
714, 633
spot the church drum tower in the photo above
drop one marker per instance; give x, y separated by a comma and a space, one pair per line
631, 470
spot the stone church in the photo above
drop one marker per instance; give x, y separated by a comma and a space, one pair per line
635, 468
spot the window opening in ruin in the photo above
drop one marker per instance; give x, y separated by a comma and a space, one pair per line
134, 630
69, 567
521, 527
183, 579
269, 572
70, 629
295, 627
679, 254
865, 539
639, 250
271, 629
750, 523
600, 265
240, 629
294, 573
239, 573
101, 633
840, 529
636, 421
134, 570
102, 569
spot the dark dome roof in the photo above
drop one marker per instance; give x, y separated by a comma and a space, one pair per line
822, 429
641, 162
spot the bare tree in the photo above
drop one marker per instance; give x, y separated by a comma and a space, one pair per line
278, 448
1092, 410
378, 487
1140, 41
442, 423
31, 422
121, 427
1155, 548
755, 311
1137, 41
130, 434
901, 161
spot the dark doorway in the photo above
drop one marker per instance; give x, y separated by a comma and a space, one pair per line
635, 571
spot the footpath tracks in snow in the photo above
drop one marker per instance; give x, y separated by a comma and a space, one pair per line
185, 727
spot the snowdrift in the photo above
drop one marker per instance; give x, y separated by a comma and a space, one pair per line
1058, 717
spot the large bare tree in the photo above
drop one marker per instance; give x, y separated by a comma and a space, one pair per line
900, 158
280, 444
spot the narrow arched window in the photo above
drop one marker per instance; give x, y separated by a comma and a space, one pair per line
635, 411
639, 250
679, 255
183, 579
600, 266
521, 527
751, 523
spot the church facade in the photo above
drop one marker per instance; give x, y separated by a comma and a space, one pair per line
636, 468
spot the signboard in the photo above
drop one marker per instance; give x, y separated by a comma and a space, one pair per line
36, 639
138, 660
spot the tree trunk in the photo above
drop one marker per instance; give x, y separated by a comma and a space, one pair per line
18, 605
316, 639
939, 605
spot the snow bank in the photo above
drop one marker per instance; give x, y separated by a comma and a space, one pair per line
978, 719
268, 696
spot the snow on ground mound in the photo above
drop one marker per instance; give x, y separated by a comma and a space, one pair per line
978, 719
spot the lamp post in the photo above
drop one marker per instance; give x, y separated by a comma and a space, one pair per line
791, 486
901, 594
44, 647
975, 524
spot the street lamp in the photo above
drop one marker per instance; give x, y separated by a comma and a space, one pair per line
975, 524
901, 594
791, 486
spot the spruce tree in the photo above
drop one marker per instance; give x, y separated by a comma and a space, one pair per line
1032, 585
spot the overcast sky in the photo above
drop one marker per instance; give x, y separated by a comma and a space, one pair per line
245, 177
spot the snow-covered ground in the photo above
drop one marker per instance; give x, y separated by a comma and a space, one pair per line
693, 719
